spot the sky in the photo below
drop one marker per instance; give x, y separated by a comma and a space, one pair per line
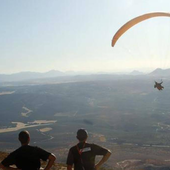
76, 35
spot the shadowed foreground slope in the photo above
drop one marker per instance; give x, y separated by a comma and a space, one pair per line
124, 165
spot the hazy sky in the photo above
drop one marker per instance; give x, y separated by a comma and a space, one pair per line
41, 35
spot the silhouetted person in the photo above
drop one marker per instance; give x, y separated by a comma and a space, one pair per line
27, 157
82, 155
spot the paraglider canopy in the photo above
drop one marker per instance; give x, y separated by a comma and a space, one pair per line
135, 21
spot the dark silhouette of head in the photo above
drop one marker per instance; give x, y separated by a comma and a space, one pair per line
24, 137
82, 135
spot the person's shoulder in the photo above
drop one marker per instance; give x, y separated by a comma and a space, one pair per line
94, 145
90, 144
29, 148
35, 148
39, 150
73, 148
16, 151
32, 146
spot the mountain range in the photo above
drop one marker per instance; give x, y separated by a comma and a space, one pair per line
22, 76
28, 75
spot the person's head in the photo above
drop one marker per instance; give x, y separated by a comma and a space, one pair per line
82, 135
24, 137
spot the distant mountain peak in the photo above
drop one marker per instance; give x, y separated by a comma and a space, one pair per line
136, 72
53, 71
160, 72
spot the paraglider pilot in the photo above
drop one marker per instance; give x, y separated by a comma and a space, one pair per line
158, 85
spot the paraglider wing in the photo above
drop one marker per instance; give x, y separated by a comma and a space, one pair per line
135, 21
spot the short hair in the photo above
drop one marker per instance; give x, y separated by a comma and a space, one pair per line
82, 134
24, 136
